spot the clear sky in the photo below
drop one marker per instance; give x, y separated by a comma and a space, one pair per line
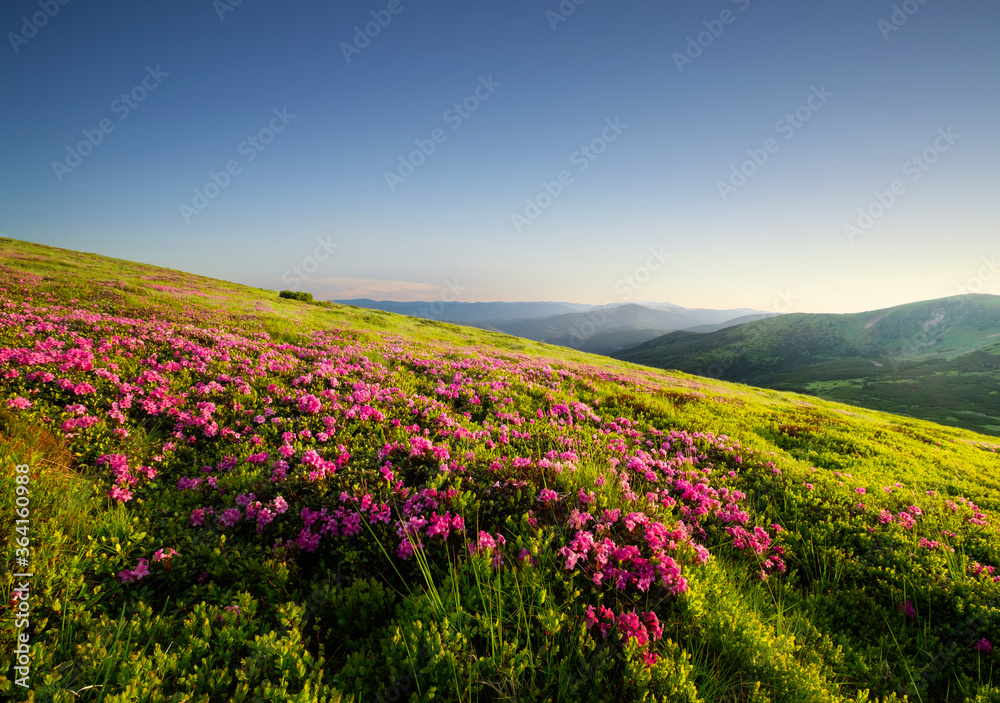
517, 150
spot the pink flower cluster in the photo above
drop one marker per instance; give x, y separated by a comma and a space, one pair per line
643, 628
123, 476
758, 541
488, 545
137, 574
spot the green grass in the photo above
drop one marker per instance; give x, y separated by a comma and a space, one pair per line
356, 623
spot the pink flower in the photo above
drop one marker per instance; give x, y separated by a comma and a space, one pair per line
264, 518
633, 519
136, 574
188, 484
161, 555
983, 645
230, 517
19, 403
279, 506
120, 495
630, 625
439, 525
702, 554
310, 404
547, 494
653, 625
487, 545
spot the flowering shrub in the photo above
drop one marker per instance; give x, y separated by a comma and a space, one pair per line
336, 511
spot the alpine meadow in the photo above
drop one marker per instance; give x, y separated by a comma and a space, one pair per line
238, 496
464, 351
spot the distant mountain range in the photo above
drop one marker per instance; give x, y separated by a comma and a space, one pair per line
937, 360
610, 329
464, 313
597, 329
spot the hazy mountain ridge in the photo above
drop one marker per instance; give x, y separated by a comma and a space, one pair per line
608, 329
598, 329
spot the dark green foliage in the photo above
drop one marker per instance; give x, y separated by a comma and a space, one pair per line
296, 295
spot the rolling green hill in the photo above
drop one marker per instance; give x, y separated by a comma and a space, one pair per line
937, 360
220, 495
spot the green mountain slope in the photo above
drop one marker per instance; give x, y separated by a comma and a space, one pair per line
235, 497
938, 360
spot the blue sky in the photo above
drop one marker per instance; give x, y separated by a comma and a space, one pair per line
748, 143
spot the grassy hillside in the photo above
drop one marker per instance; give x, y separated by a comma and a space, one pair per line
937, 360
232, 497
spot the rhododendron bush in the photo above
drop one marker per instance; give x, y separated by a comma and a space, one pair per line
362, 515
